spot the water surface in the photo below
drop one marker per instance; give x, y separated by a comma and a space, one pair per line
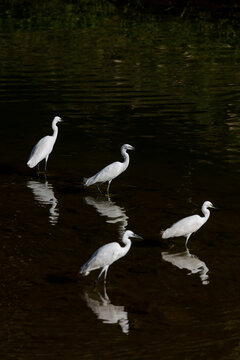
177, 101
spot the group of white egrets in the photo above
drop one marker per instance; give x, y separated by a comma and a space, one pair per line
111, 252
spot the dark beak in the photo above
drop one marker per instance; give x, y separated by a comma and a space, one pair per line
138, 237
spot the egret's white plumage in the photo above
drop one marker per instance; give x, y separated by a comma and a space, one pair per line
108, 254
111, 171
44, 147
188, 225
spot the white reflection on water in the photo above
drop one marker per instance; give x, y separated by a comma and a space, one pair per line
106, 311
188, 261
114, 213
44, 195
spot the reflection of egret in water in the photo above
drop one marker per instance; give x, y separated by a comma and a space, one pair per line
44, 194
186, 260
106, 311
114, 213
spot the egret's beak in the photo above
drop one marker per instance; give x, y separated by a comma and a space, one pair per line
138, 237
214, 207
61, 120
132, 148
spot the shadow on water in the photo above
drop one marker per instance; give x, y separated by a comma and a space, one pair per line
108, 313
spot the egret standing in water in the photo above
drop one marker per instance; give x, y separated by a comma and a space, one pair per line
111, 171
188, 225
108, 254
44, 147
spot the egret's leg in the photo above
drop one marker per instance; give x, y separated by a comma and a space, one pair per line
105, 275
38, 168
103, 269
108, 186
46, 159
187, 241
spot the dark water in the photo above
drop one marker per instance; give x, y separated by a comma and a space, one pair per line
178, 103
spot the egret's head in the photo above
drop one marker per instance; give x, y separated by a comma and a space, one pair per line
208, 204
130, 233
57, 119
127, 147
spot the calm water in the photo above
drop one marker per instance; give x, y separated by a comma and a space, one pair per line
178, 103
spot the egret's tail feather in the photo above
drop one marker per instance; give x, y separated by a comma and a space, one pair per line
165, 234
85, 180
84, 273
31, 164
84, 270
89, 181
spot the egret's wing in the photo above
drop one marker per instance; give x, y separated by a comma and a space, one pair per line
40, 150
184, 226
108, 173
105, 255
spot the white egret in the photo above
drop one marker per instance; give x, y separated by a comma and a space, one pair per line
188, 225
111, 171
44, 147
108, 254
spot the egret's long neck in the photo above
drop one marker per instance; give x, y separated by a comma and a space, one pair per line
127, 243
206, 213
55, 130
125, 158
